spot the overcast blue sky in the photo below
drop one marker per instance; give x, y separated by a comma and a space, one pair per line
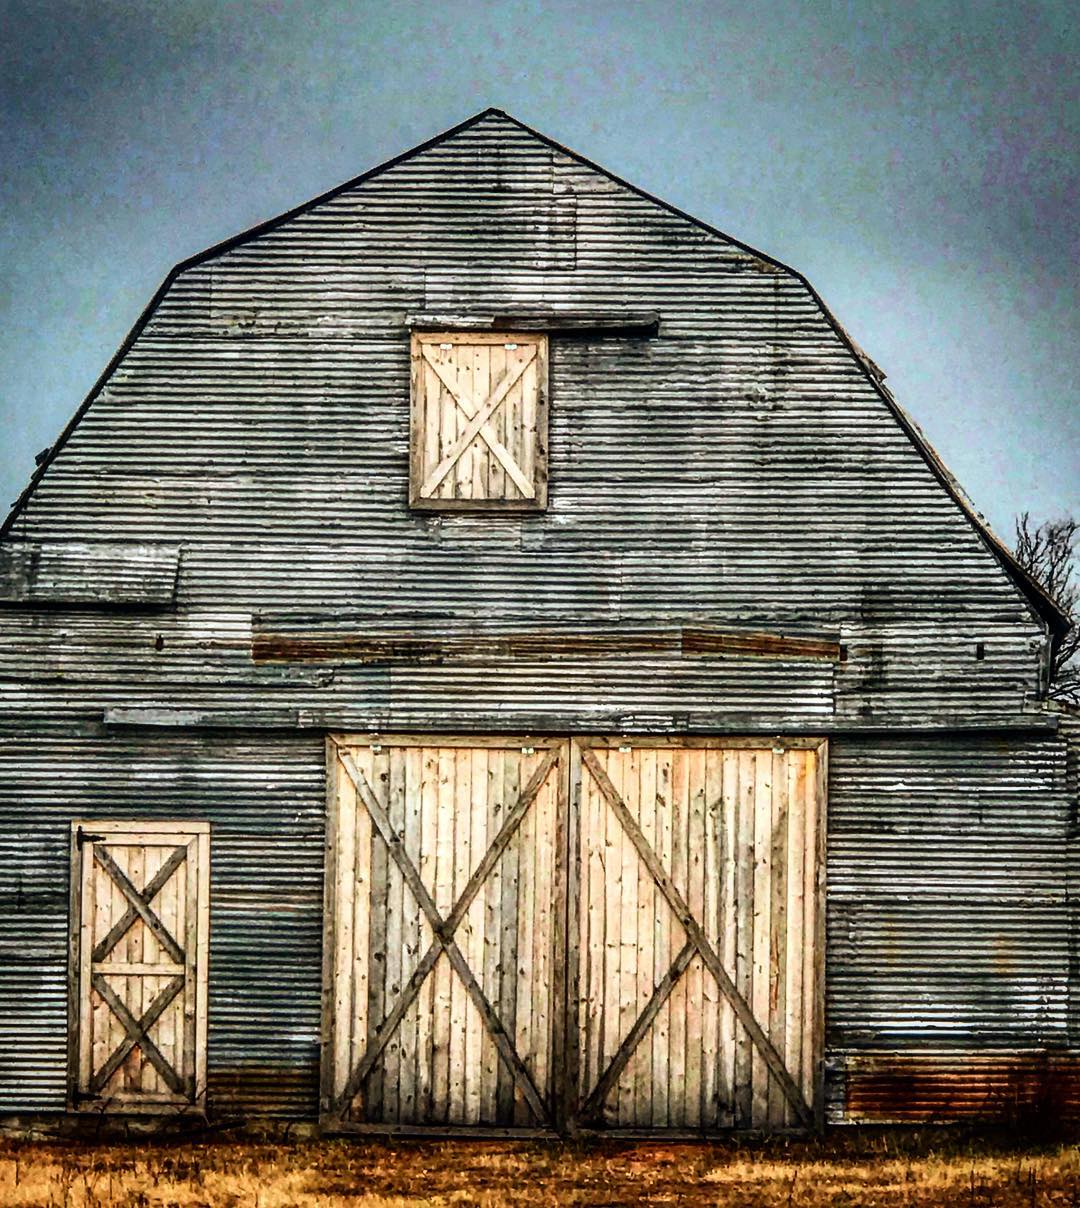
917, 161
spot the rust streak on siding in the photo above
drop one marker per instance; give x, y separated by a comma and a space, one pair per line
761, 645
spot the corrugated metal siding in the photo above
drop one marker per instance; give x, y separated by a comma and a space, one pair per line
947, 914
265, 799
88, 573
1069, 718
734, 467
204, 660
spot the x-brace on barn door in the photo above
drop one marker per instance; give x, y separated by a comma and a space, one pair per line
554, 934
696, 988
443, 975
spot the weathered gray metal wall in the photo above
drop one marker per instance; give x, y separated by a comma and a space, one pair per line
741, 468
265, 797
242, 478
948, 966
1070, 732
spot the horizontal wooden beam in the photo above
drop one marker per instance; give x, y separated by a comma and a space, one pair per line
641, 324
438, 1132
199, 719
355, 720
412, 648
138, 969
758, 645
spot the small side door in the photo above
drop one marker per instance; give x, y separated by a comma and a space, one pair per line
140, 922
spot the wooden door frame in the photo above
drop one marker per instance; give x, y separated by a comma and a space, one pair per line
565, 1068
74, 1101
537, 501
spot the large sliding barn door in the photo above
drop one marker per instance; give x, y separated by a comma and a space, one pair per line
140, 918
445, 908
699, 934
587, 933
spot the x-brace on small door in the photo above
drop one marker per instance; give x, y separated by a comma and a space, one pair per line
140, 919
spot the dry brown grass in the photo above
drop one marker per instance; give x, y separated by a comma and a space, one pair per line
882, 1170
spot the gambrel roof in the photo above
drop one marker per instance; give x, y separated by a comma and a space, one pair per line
1038, 599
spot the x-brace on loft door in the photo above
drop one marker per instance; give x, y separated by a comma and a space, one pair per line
591, 933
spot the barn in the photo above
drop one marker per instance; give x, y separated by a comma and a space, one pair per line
490, 653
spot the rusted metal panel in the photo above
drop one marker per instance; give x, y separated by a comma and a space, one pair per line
934, 1088
403, 646
763, 645
286, 1088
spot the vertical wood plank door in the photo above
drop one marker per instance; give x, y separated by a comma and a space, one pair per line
696, 996
443, 977
140, 915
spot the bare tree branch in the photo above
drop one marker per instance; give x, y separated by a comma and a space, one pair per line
1047, 552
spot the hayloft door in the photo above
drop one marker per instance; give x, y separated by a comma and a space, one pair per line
444, 975
140, 915
698, 933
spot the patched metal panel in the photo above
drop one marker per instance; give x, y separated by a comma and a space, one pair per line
105, 574
933, 1088
265, 801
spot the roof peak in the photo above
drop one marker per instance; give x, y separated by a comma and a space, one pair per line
1042, 604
